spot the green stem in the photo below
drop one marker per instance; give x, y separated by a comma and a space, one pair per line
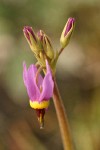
62, 118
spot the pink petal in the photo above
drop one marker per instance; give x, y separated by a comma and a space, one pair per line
40, 80
30, 82
47, 85
24, 73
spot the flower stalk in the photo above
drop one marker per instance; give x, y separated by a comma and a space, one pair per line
62, 118
60, 51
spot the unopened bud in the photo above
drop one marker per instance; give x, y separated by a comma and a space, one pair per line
67, 32
31, 38
48, 47
40, 36
45, 44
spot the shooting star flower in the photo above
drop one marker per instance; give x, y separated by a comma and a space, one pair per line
39, 89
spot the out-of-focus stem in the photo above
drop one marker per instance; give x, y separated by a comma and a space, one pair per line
62, 118
60, 51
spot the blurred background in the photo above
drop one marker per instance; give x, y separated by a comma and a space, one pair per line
78, 74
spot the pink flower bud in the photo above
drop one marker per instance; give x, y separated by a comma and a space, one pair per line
29, 31
69, 25
67, 32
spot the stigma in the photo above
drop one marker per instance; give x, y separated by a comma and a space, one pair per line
40, 115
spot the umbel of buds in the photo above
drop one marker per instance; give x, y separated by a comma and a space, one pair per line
40, 44
67, 32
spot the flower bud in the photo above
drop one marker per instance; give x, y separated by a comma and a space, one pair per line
40, 36
31, 38
67, 32
48, 47
45, 44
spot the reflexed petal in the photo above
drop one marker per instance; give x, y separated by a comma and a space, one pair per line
34, 70
30, 83
40, 80
48, 68
24, 73
47, 85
